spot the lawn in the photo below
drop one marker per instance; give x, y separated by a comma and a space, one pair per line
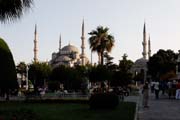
53, 111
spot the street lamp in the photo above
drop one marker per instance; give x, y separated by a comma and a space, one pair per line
27, 69
178, 66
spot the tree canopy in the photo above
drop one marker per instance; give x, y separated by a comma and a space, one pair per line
39, 72
161, 63
101, 41
122, 76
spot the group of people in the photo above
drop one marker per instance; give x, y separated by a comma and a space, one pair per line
172, 88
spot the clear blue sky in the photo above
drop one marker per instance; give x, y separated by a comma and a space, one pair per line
125, 18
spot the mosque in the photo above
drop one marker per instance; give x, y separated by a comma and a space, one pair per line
69, 55
140, 65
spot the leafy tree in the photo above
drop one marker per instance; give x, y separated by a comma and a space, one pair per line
161, 63
21, 69
65, 75
60, 74
101, 41
8, 80
38, 73
13, 9
99, 73
123, 75
124, 64
72, 78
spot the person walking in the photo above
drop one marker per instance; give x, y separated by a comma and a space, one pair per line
156, 88
145, 92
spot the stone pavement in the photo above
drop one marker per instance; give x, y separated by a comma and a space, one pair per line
161, 109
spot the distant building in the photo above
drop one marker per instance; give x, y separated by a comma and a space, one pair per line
140, 65
69, 55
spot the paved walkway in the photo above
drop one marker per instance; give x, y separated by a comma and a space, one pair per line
161, 109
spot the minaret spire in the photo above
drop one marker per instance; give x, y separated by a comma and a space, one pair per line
60, 43
149, 48
83, 45
144, 43
35, 44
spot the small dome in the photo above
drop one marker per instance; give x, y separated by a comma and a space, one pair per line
141, 62
70, 48
139, 65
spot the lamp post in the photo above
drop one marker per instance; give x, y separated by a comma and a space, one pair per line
178, 66
27, 69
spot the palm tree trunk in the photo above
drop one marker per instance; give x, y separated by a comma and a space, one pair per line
102, 58
7, 94
99, 58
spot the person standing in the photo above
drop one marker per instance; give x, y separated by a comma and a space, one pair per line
152, 86
156, 88
170, 90
145, 92
178, 90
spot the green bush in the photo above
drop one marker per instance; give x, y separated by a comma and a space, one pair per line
8, 76
103, 101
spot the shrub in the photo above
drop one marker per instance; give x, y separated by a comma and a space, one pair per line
103, 101
7, 72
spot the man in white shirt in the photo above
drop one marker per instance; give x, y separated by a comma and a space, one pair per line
156, 88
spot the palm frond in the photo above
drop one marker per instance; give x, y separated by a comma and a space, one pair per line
13, 9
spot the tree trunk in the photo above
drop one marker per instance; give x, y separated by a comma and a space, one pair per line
99, 58
7, 95
102, 58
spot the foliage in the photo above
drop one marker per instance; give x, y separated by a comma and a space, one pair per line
122, 76
161, 63
39, 72
7, 72
13, 9
53, 85
101, 41
124, 64
103, 101
72, 78
21, 68
99, 73
108, 59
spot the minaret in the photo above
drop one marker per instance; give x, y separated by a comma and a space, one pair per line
83, 45
35, 45
144, 43
60, 43
149, 48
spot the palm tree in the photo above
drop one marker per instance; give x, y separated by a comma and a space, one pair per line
13, 9
101, 41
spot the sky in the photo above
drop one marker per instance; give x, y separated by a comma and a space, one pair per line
124, 18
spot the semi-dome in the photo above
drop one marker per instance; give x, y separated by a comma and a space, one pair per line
70, 48
63, 58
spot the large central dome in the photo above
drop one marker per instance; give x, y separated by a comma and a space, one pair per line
70, 48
